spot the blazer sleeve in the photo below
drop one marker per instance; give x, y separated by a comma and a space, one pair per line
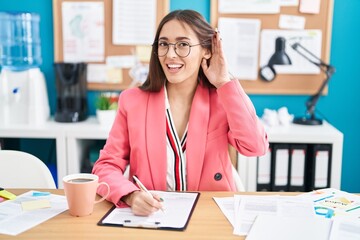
114, 158
246, 134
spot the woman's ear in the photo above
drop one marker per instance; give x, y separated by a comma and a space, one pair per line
207, 54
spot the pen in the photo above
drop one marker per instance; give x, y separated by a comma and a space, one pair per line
143, 188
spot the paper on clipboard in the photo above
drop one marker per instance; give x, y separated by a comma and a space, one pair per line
310, 39
178, 209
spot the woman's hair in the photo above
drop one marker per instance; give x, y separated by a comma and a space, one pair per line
204, 32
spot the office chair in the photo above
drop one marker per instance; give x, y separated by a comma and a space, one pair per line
23, 170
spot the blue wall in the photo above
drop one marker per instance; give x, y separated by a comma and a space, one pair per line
340, 107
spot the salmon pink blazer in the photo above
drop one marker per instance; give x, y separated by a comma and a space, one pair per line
138, 137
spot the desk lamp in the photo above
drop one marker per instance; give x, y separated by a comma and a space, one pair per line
268, 73
280, 57
309, 118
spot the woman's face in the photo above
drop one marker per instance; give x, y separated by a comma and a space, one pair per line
180, 69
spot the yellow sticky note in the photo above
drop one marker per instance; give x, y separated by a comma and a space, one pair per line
114, 75
143, 53
36, 204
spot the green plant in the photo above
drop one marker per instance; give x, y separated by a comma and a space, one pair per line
107, 101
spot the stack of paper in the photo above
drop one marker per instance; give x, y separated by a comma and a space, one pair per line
327, 214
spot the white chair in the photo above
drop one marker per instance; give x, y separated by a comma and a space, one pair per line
22, 170
238, 182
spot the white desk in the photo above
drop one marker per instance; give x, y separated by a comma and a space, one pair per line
295, 133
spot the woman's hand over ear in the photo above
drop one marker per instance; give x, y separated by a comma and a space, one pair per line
216, 71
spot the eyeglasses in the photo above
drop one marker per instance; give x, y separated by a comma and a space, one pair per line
182, 49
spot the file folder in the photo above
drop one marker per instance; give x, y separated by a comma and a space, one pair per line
297, 166
321, 166
280, 167
264, 171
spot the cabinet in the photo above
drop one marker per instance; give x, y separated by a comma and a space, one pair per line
74, 139
297, 134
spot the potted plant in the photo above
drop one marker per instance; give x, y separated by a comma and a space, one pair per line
106, 106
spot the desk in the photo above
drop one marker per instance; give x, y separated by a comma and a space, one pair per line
207, 222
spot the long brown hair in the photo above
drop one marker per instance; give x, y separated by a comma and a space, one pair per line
156, 77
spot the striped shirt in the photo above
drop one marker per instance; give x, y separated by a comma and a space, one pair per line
176, 154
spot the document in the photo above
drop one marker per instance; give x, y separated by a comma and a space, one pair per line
15, 218
248, 207
240, 42
285, 228
83, 31
134, 22
249, 6
178, 207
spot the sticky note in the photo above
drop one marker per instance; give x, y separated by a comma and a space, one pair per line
143, 53
310, 6
36, 204
114, 75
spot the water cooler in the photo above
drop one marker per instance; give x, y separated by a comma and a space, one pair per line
23, 93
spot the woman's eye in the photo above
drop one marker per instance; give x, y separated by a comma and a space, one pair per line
183, 44
163, 44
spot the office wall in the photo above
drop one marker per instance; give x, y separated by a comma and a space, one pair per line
340, 107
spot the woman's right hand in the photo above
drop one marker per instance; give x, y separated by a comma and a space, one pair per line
141, 203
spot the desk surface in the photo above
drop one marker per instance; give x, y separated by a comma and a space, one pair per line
207, 222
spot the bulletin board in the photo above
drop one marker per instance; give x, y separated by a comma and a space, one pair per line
162, 8
288, 84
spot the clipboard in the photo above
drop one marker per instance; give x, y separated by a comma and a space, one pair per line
178, 206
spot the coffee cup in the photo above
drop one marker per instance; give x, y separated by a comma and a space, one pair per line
80, 191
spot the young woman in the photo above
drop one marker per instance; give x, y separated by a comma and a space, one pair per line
174, 130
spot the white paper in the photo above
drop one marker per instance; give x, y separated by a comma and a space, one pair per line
83, 31
340, 202
134, 22
249, 6
310, 6
291, 22
345, 228
226, 205
240, 43
13, 220
285, 228
96, 73
248, 207
288, 3
310, 39
177, 205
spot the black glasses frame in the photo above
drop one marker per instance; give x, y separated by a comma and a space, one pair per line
173, 44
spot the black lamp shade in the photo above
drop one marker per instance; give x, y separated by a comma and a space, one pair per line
279, 57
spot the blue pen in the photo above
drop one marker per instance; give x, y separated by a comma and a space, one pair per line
318, 200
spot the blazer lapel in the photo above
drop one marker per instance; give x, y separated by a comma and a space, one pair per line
156, 139
197, 134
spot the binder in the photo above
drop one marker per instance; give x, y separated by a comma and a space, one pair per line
280, 167
264, 171
178, 210
321, 166
297, 166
